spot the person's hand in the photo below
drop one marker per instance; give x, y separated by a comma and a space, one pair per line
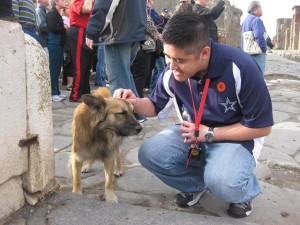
187, 130
89, 43
125, 94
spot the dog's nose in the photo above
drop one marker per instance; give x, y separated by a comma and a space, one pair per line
138, 128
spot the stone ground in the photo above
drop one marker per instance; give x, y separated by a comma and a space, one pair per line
143, 199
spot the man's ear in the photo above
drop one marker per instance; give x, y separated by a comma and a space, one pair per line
205, 53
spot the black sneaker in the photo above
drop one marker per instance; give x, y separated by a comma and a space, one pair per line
240, 210
185, 200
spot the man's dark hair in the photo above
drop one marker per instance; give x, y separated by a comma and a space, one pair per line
187, 31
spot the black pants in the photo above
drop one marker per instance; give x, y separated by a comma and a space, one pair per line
152, 65
81, 57
67, 63
140, 70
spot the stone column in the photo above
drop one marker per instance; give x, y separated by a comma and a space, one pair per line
13, 159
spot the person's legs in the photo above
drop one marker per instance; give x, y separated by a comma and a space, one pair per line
225, 169
83, 55
100, 68
261, 61
55, 62
86, 64
159, 68
140, 69
119, 58
151, 69
229, 172
165, 155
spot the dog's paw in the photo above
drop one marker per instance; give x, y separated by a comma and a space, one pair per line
77, 191
118, 173
86, 169
111, 197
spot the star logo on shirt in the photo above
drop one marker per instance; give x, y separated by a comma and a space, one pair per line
228, 105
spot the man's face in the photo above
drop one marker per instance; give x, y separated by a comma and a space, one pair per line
258, 11
61, 3
185, 65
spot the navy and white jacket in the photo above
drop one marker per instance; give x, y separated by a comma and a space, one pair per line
237, 93
254, 23
117, 21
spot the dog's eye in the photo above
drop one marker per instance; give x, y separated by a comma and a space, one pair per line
122, 113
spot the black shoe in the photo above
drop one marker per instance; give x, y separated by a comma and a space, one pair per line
185, 200
240, 210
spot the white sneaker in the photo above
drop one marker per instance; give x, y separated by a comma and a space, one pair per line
63, 96
56, 98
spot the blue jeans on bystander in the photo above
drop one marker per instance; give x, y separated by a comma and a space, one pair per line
118, 58
100, 68
261, 61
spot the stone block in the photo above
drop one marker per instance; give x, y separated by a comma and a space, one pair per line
13, 159
39, 118
12, 198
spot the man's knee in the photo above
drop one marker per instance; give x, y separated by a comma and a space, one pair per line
228, 189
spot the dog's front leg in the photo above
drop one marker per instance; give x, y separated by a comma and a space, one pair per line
109, 175
76, 170
119, 170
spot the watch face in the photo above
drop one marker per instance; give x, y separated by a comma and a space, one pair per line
209, 136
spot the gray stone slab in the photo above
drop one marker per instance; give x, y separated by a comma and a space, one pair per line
139, 180
280, 116
284, 137
275, 64
73, 209
62, 143
276, 154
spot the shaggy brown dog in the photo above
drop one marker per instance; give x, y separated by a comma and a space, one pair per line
98, 127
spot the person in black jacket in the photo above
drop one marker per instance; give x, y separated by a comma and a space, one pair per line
211, 15
56, 40
120, 26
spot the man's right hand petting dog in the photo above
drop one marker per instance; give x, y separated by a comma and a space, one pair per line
99, 125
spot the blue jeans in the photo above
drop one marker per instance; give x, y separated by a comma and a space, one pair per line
32, 32
225, 169
261, 61
100, 68
119, 58
55, 62
157, 70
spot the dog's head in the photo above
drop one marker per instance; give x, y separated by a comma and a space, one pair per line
112, 114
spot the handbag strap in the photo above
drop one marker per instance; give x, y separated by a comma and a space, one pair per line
251, 24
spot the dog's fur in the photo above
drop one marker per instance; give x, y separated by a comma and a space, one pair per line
98, 127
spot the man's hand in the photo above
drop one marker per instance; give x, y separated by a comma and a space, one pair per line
126, 94
89, 43
187, 130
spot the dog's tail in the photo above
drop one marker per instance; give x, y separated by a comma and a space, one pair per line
102, 91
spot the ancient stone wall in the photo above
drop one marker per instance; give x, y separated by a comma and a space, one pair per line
288, 31
228, 23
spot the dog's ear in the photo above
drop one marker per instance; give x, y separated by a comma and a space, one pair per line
93, 102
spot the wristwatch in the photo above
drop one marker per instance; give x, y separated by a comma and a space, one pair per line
209, 136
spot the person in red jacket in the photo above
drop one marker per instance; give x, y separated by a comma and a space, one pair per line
81, 55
